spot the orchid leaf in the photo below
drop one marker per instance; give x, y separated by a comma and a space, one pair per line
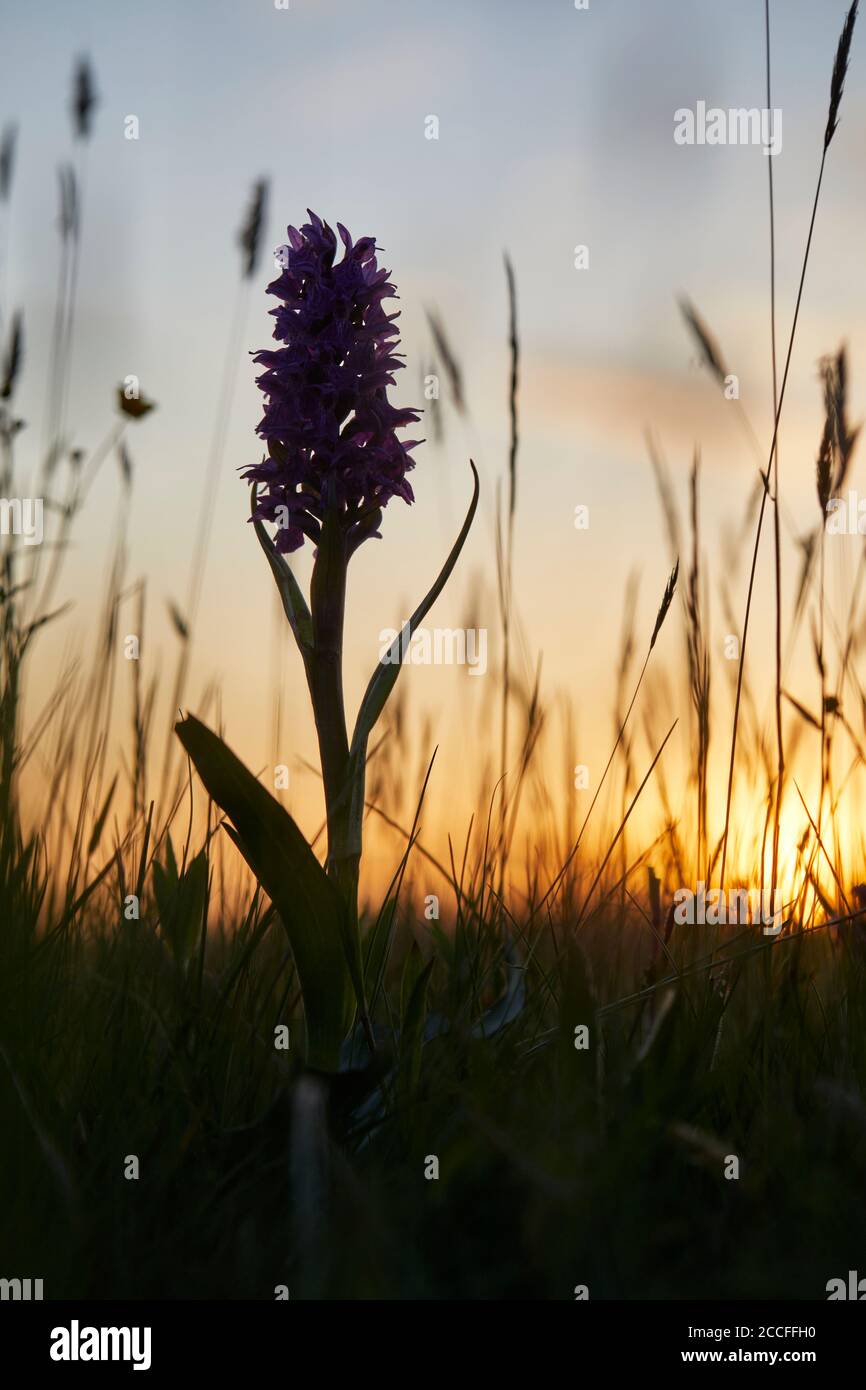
307, 901
294, 603
385, 676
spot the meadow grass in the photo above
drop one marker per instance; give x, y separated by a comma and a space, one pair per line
557, 1166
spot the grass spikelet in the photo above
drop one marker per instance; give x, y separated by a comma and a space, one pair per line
707, 344
452, 367
250, 234
840, 69
844, 437
825, 465
7, 160
177, 621
14, 357
84, 99
666, 602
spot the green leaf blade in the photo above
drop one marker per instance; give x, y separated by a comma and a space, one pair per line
307, 901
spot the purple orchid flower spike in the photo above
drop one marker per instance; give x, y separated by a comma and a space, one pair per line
330, 430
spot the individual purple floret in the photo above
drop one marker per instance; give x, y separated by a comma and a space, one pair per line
330, 430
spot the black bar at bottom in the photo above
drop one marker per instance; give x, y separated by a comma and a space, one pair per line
247, 1337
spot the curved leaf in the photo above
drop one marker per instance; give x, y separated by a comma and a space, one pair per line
511, 1005
308, 902
384, 678
294, 603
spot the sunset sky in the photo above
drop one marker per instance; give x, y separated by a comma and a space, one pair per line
555, 130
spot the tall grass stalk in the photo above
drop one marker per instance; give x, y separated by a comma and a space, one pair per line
780, 748
840, 68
